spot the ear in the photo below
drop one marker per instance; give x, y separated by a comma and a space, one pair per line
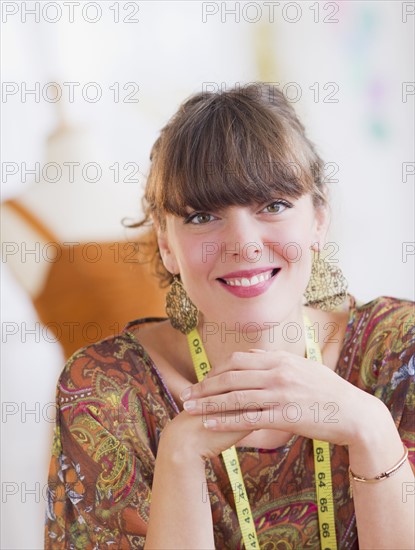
321, 225
166, 253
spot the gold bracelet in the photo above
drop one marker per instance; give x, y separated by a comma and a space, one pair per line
381, 476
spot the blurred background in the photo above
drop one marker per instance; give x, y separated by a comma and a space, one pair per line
86, 87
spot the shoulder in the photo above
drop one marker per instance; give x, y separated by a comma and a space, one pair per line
382, 341
386, 319
386, 323
387, 308
107, 367
113, 352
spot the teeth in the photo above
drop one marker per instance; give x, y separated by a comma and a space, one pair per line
249, 282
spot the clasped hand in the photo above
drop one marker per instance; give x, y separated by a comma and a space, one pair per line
278, 390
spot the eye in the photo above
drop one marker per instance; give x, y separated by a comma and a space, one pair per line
198, 218
277, 207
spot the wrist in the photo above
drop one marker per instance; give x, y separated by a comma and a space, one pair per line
374, 424
376, 443
178, 452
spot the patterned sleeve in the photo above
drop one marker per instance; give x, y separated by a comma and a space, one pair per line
102, 462
389, 365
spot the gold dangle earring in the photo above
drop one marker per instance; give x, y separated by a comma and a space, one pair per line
327, 287
182, 312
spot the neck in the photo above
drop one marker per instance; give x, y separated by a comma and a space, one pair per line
221, 340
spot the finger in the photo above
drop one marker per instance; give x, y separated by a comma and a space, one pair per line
289, 418
236, 401
225, 382
247, 422
242, 360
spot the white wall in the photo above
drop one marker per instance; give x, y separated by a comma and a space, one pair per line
170, 53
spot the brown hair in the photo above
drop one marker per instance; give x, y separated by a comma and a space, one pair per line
228, 148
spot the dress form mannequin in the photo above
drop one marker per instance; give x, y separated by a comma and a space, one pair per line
57, 242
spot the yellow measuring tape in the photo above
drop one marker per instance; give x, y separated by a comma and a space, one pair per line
322, 465
230, 456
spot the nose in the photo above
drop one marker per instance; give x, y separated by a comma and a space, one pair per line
242, 236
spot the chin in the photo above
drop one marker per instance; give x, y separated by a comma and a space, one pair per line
251, 319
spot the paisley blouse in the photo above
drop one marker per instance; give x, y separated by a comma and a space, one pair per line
113, 404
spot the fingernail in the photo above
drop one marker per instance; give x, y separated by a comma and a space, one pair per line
257, 350
185, 394
209, 423
189, 405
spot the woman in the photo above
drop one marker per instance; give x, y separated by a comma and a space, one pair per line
240, 211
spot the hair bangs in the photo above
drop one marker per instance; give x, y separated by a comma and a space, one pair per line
233, 156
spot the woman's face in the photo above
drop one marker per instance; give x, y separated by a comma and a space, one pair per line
245, 264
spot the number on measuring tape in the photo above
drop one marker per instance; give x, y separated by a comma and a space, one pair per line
234, 465
326, 530
323, 505
196, 346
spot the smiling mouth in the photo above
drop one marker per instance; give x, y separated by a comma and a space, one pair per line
251, 281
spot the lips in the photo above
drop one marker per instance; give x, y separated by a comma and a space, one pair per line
247, 284
249, 278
